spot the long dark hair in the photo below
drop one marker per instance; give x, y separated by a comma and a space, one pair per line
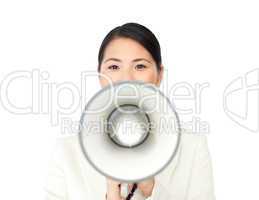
137, 32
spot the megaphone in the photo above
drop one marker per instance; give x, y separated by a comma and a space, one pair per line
129, 131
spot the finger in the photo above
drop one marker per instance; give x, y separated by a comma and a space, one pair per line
130, 186
113, 183
113, 189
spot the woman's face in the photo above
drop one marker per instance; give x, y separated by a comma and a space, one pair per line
125, 59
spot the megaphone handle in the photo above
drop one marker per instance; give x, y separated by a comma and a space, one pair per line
124, 190
125, 193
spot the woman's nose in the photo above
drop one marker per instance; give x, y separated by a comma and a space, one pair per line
128, 75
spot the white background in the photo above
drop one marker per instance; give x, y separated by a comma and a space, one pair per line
202, 41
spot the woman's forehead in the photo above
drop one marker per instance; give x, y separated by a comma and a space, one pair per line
126, 49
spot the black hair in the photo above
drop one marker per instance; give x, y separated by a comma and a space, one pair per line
137, 32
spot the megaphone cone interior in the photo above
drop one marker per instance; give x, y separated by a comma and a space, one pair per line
128, 125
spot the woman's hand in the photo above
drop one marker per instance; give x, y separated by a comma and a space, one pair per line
146, 187
114, 193
113, 190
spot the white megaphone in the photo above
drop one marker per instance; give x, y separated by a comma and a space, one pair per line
129, 131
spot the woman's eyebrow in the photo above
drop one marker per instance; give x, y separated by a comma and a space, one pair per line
113, 59
118, 60
140, 59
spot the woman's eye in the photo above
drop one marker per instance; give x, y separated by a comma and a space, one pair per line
140, 67
113, 67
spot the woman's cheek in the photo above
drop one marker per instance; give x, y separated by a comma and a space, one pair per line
147, 77
110, 76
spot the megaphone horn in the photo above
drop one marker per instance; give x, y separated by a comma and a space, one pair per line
129, 131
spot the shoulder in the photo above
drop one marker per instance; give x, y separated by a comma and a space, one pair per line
67, 147
191, 141
191, 146
67, 142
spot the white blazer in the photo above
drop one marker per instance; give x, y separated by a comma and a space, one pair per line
187, 177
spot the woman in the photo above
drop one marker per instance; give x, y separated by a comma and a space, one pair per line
132, 52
